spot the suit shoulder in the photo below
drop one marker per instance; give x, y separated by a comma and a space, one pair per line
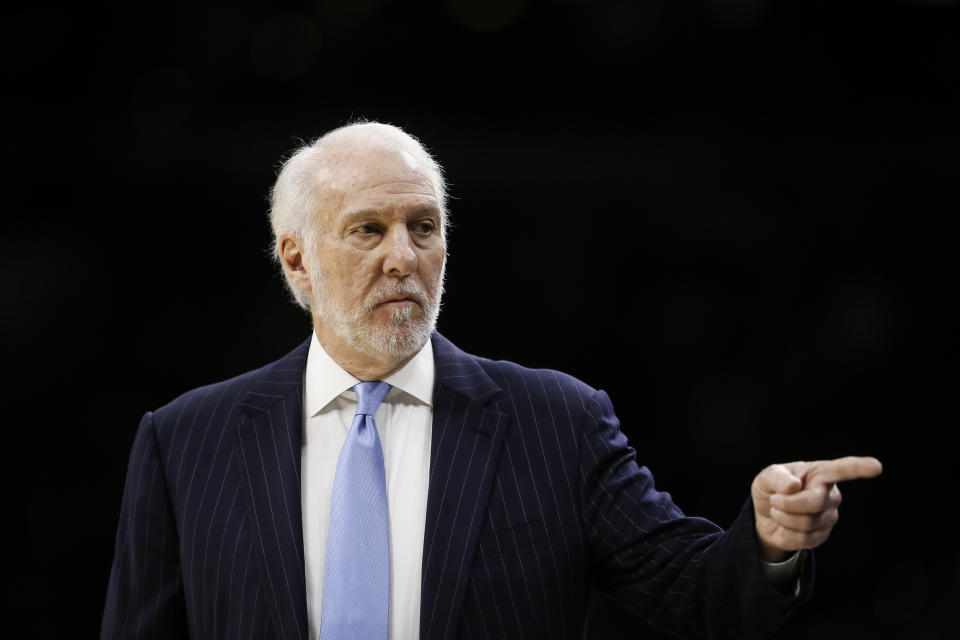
510, 377
277, 376
547, 384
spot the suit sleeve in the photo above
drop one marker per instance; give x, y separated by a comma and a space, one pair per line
145, 593
683, 575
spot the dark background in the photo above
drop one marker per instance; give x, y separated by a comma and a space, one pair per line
732, 215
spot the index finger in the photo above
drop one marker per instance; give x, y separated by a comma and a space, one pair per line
848, 468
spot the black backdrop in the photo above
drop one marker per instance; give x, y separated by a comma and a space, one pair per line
730, 214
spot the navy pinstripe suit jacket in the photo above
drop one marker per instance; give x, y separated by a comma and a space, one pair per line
534, 498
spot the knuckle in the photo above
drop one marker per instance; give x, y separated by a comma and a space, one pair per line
821, 498
813, 539
821, 537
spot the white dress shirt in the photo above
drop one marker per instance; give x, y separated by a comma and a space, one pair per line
404, 424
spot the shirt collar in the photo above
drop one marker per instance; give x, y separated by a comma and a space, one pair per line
324, 379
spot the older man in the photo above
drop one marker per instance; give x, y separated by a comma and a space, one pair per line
377, 482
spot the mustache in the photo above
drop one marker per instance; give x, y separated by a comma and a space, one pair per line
405, 289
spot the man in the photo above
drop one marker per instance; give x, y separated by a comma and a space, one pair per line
467, 499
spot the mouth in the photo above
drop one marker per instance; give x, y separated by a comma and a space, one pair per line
399, 301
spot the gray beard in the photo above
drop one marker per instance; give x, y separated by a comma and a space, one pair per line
399, 338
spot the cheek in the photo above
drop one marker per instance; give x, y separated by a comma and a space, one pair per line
359, 280
347, 268
432, 268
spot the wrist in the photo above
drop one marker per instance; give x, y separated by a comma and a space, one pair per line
769, 553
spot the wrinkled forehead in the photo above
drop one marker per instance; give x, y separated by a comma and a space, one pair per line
351, 176
351, 168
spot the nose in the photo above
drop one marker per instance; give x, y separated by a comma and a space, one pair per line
401, 256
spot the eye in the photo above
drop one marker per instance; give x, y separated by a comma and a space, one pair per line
425, 227
367, 229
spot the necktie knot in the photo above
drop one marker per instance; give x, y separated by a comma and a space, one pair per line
369, 396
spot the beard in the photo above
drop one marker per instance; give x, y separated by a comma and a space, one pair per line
401, 336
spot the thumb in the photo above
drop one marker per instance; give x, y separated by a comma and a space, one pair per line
777, 478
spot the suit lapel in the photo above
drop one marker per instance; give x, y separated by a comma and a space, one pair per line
467, 438
468, 434
269, 437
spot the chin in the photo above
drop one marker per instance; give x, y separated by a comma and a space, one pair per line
407, 341
392, 340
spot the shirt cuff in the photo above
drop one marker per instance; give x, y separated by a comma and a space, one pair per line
784, 574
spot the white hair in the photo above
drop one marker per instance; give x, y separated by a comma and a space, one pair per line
296, 192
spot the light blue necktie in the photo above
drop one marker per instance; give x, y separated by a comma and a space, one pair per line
356, 586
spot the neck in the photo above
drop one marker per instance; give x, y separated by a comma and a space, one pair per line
363, 366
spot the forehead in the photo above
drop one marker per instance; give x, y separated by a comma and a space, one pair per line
375, 178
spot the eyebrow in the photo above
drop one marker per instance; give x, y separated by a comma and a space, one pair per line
364, 214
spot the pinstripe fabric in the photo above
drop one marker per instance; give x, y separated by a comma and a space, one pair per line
534, 497
210, 542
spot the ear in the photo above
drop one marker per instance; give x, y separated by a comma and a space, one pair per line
291, 257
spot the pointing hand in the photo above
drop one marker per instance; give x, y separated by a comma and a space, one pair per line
796, 503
